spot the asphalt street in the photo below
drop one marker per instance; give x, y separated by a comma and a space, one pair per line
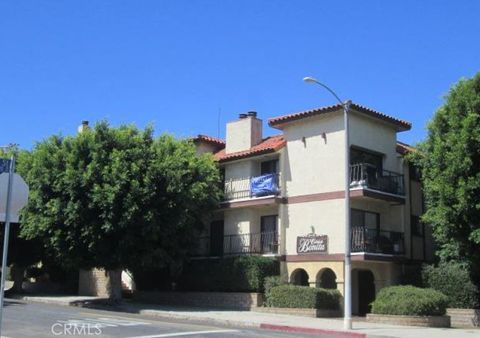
24, 319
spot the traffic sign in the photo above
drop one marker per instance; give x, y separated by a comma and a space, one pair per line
19, 196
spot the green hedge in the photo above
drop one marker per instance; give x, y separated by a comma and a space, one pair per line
453, 280
269, 283
410, 301
234, 274
293, 296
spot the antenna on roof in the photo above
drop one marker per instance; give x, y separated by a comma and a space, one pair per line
218, 122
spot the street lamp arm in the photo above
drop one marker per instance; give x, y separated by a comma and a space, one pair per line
313, 80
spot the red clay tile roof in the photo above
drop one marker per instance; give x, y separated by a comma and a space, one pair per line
278, 121
403, 148
209, 139
268, 145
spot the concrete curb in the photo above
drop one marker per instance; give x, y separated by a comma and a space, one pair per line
156, 314
297, 329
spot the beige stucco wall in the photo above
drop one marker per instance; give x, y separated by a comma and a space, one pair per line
313, 164
327, 218
247, 220
313, 269
239, 169
375, 135
385, 274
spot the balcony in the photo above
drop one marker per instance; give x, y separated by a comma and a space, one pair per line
251, 191
252, 243
377, 241
364, 176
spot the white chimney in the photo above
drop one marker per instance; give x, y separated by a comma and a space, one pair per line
244, 133
83, 127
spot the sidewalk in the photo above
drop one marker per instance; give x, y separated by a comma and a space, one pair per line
329, 326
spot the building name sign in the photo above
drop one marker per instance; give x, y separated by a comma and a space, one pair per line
312, 243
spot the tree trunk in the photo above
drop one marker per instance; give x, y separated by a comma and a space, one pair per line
18, 274
114, 285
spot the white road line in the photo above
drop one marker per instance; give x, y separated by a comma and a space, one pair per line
177, 334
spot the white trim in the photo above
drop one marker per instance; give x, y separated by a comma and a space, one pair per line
375, 254
248, 199
378, 191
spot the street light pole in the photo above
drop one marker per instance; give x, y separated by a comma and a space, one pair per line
6, 234
347, 280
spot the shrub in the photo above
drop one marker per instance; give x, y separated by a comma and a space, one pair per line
453, 280
269, 283
293, 296
234, 274
410, 301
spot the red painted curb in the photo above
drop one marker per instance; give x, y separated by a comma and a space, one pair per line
296, 329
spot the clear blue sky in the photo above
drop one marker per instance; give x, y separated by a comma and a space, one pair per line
177, 63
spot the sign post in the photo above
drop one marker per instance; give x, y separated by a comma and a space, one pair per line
6, 235
14, 191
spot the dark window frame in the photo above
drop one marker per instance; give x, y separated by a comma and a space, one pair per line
417, 227
364, 219
378, 163
269, 167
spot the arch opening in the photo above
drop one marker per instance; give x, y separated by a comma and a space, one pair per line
326, 279
299, 277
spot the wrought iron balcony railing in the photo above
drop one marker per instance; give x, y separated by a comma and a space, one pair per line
251, 243
377, 241
255, 186
364, 175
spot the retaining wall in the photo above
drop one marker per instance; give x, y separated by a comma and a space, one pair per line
314, 313
427, 321
232, 300
464, 317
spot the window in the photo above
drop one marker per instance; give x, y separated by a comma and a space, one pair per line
416, 226
362, 218
363, 156
269, 167
414, 172
268, 223
268, 236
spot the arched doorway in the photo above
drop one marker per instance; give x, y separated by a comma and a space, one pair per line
299, 277
365, 290
326, 279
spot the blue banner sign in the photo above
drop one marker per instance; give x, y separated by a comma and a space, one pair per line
264, 185
4, 165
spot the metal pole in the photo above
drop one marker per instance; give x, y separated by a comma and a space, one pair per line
6, 235
347, 273
347, 316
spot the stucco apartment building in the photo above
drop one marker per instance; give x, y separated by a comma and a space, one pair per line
284, 197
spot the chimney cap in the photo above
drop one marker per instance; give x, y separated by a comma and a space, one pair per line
84, 123
252, 113
242, 115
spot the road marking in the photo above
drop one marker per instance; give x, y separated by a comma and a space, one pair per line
121, 322
102, 322
177, 334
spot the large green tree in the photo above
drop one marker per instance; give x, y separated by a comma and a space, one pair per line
450, 163
118, 198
